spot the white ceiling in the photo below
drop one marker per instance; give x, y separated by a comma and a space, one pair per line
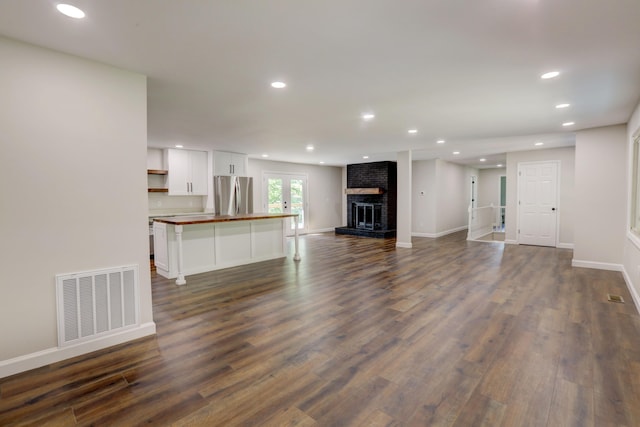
466, 71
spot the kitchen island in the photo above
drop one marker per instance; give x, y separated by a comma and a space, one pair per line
200, 243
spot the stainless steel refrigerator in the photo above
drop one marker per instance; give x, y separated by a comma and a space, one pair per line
233, 195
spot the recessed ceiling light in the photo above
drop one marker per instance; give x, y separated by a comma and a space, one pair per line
368, 116
568, 124
539, 143
440, 141
70, 11
278, 85
179, 146
310, 147
550, 75
483, 160
563, 105
322, 163
456, 153
365, 157
265, 155
499, 165
413, 131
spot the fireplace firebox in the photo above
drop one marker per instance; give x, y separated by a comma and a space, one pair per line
367, 216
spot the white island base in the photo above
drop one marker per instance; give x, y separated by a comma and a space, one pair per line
192, 245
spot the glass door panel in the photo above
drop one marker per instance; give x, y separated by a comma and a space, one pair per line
275, 195
296, 187
287, 194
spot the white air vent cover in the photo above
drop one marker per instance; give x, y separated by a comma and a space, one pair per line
96, 303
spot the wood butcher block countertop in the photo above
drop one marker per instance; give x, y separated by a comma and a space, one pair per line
203, 219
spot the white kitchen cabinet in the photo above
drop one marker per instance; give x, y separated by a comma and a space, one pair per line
225, 163
187, 174
160, 249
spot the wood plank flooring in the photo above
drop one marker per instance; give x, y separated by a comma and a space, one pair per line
359, 333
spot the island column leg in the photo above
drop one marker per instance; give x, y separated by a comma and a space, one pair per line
180, 279
296, 256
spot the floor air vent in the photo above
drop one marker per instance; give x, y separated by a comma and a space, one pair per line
96, 303
615, 298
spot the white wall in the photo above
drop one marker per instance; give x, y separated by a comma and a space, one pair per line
489, 186
454, 196
632, 242
600, 195
324, 186
440, 198
566, 208
73, 186
404, 202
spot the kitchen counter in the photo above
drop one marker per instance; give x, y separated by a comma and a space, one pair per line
207, 218
191, 244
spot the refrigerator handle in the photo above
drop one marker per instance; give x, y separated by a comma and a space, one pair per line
238, 197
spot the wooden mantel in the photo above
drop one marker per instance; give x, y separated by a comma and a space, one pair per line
369, 190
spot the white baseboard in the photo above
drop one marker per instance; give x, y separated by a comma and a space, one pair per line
56, 354
429, 235
632, 289
564, 246
597, 265
405, 245
559, 246
440, 234
321, 230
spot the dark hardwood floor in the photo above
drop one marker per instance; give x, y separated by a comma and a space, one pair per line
449, 333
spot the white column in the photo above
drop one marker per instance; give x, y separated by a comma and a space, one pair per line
180, 279
403, 224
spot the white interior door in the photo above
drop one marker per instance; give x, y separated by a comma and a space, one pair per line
537, 203
285, 193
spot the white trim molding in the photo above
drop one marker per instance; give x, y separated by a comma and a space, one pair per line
632, 289
440, 234
56, 354
404, 245
511, 242
320, 230
596, 265
565, 246
633, 238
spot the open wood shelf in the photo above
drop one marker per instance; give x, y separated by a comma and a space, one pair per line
372, 190
156, 172
158, 190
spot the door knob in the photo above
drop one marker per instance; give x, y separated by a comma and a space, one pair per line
553, 209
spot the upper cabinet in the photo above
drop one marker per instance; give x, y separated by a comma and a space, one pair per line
187, 172
229, 163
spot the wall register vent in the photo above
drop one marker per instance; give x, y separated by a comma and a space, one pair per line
96, 303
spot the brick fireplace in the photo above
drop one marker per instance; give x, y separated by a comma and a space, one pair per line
371, 200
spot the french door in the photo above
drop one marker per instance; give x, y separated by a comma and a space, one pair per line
286, 193
537, 203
